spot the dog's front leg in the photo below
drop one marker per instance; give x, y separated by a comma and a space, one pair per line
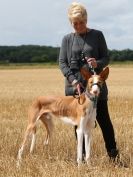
79, 145
87, 146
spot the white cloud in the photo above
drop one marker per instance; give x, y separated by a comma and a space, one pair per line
45, 22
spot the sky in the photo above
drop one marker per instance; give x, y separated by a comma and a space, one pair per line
45, 22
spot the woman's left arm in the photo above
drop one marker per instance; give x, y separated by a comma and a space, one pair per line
103, 59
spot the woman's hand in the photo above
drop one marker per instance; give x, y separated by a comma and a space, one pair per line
80, 88
92, 62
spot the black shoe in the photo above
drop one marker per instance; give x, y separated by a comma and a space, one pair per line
113, 153
116, 160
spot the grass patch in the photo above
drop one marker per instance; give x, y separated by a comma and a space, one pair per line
122, 64
28, 65
53, 65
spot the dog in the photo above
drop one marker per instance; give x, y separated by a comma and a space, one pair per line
80, 112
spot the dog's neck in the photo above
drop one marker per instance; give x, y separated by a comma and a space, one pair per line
92, 98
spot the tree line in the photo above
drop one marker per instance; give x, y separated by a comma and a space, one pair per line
48, 54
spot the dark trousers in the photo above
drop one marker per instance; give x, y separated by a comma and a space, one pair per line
106, 126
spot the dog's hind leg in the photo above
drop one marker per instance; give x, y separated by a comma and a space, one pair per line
29, 131
33, 134
47, 121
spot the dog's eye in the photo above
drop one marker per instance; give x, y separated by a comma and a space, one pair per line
100, 82
91, 81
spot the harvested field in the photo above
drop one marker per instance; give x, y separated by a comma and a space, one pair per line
19, 87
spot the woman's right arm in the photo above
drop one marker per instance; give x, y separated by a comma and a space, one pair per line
63, 61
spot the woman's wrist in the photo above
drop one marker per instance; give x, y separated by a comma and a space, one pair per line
71, 78
74, 82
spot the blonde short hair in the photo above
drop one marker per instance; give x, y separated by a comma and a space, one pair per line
77, 11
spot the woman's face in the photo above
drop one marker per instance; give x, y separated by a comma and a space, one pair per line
79, 26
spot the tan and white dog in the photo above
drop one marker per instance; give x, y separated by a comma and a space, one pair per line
80, 112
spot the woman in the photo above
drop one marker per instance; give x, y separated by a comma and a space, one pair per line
86, 46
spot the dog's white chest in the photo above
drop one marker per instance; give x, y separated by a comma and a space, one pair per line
91, 112
68, 120
91, 116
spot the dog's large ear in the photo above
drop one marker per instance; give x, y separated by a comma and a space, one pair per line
104, 74
85, 73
